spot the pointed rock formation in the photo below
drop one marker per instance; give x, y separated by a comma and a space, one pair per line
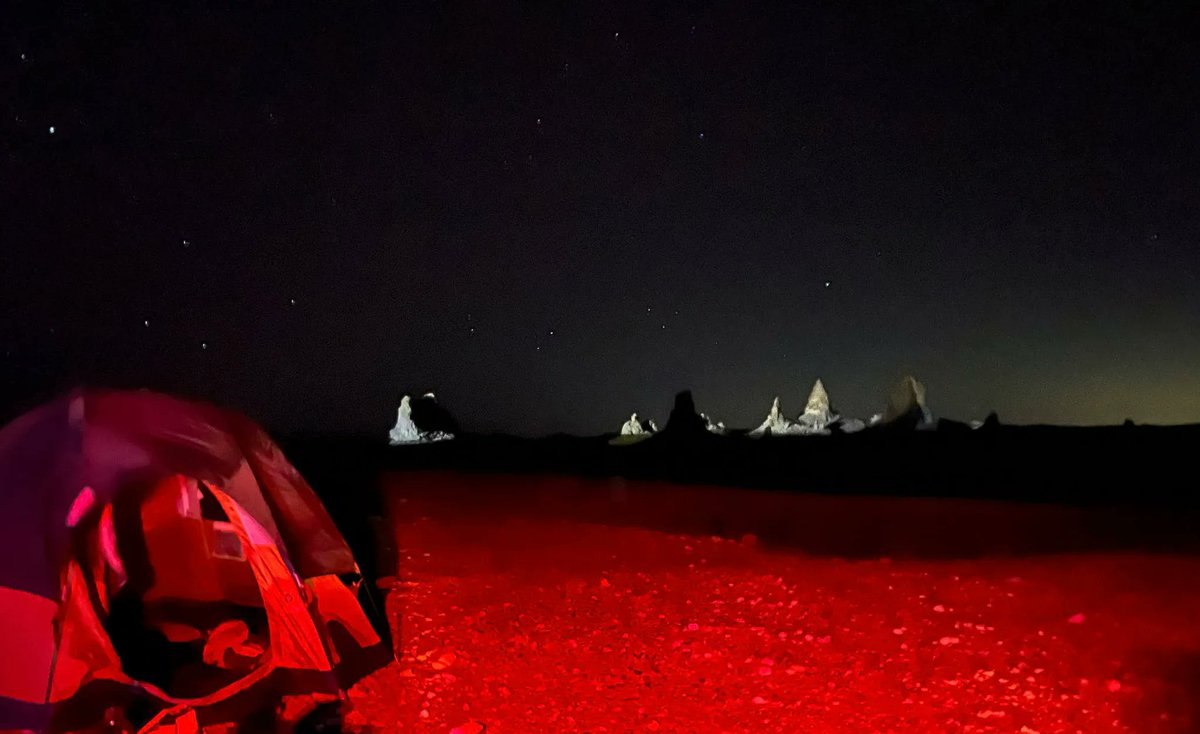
422, 421
776, 424
405, 431
818, 416
688, 423
906, 406
818, 402
684, 421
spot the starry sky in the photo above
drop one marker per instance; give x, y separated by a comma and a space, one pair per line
554, 214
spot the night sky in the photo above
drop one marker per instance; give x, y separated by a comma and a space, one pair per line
553, 214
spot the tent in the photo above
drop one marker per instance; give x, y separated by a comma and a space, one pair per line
190, 516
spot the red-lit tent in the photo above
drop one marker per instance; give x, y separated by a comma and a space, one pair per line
110, 495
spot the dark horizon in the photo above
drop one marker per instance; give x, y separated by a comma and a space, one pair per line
555, 217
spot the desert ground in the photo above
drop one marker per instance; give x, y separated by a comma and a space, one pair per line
544, 604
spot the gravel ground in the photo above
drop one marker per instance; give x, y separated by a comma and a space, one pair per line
512, 624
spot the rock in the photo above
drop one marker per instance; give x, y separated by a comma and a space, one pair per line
991, 422
421, 421
432, 419
632, 427
776, 424
405, 431
906, 406
684, 421
818, 416
816, 420
634, 431
851, 425
717, 428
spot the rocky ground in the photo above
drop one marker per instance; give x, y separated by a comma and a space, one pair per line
536, 622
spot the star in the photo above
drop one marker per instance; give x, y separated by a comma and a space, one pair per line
146, 323
186, 243
22, 57
828, 283
51, 129
292, 301
204, 345
552, 332
702, 136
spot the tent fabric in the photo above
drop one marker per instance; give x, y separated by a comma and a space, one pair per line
84, 651
336, 603
305, 524
72, 458
295, 641
28, 637
107, 440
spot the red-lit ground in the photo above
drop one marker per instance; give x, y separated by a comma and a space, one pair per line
550, 617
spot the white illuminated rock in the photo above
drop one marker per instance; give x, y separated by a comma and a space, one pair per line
407, 432
632, 427
851, 425
776, 424
717, 428
818, 417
